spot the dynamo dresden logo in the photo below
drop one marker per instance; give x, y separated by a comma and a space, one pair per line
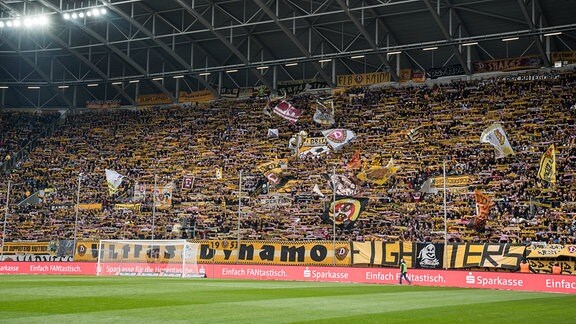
337, 136
341, 253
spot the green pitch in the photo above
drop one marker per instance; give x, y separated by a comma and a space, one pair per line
71, 299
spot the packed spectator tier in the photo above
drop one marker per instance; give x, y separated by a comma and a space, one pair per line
155, 146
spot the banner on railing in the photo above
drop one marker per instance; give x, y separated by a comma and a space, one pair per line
153, 99
195, 96
568, 57
275, 252
362, 79
510, 64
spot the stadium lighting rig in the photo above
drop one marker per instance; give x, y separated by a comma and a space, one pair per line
31, 21
84, 13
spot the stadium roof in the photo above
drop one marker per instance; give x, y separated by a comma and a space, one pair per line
64, 52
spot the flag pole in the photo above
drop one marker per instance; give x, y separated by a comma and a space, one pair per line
334, 216
154, 205
77, 210
5, 218
239, 210
445, 214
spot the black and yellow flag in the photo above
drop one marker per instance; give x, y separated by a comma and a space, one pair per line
547, 171
344, 211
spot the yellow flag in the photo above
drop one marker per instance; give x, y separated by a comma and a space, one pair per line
547, 171
379, 174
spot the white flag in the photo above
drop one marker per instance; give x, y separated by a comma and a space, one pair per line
272, 132
163, 196
338, 137
317, 190
496, 136
114, 180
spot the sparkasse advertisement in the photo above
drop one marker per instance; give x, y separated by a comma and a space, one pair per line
389, 276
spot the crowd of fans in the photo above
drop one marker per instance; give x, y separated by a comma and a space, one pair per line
220, 144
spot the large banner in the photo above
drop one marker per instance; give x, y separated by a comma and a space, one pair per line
372, 253
102, 104
293, 87
153, 99
275, 252
511, 64
451, 70
363, 79
195, 96
229, 92
14, 248
249, 252
429, 256
456, 255
545, 266
483, 255
569, 57
551, 251
379, 253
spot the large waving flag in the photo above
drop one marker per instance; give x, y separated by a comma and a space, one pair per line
344, 211
354, 162
496, 136
414, 133
324, 115
114, 180
272, 132
379, 174
285, 110
483, 205
139, 191
341, 185
312, 146
163, 196
273, 172
338, 137
547, 171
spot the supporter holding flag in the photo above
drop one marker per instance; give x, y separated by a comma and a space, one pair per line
354, 162
114, 180
338, 137
323, 115
379, 174
483, 205
496, 136
547, 170
344, 211
287, 111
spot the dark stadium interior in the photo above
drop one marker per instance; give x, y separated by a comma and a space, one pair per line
143, 40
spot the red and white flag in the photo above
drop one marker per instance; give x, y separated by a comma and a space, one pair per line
285, 110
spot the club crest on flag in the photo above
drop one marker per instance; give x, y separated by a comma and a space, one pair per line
345, 211
338, 137
496, 136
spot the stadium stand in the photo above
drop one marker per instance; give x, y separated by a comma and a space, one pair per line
159, 145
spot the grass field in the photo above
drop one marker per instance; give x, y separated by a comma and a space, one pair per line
70, 299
